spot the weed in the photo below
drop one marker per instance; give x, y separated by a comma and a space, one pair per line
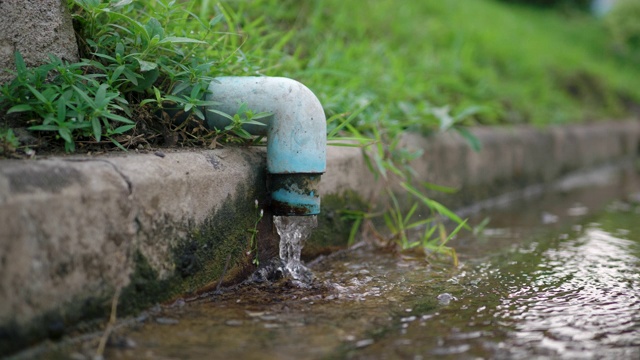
73, 103
253, 240
392, 166
8, 141
137, 63
237, 123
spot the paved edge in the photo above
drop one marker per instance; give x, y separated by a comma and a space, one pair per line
510, 158
74, 229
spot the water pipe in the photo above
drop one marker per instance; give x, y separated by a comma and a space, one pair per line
296, 135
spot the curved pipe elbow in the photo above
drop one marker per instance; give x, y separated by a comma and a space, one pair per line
296, 131
296, 135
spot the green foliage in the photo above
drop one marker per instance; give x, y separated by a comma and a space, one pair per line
142, 61
238, 121
8, 141
623, 23
574, 4
391, 165
400, 65
73, 103
406, 61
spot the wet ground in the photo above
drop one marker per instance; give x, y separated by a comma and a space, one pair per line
554, 275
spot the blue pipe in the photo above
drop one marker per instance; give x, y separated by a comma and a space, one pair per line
296, 135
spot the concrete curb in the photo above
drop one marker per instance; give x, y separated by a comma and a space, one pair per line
510, 158
72, 230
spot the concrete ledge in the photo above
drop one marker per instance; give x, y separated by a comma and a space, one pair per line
72, 230
510, 158
527, 154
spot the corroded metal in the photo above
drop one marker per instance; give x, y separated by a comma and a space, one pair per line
294, 194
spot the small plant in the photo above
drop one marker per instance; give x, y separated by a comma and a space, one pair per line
8, 141
253, 240
72, 104
137, 60
243, 117
390, 163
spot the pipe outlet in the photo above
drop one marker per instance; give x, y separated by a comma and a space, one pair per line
296, 135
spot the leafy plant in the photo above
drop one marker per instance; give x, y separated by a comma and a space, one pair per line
137, 63
391, 164
72, 104
238, 122
8, 141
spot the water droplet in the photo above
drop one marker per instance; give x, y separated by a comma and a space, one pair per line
364, 343
445, 298
233, 322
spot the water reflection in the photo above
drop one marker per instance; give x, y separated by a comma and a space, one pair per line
582, 299
569, 293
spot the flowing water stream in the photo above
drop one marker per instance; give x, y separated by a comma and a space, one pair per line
293, 231
557, 276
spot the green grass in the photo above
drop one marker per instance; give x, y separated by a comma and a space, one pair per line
499, 63
392, 65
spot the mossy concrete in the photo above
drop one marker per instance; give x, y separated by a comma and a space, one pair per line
175, 224
200, 259
73, 230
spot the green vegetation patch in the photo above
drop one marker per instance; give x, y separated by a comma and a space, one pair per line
144, 71
424, 65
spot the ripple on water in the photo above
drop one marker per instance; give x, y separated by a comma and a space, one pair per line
584, 297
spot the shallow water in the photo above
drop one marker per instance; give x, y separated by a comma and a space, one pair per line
557, 276
573, 294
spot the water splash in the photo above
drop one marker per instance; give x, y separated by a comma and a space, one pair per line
293, 231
